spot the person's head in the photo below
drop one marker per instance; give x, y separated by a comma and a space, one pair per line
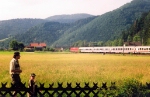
16, 55
32, 76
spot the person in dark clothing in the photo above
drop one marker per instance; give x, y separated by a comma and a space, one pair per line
32, 85
15, 70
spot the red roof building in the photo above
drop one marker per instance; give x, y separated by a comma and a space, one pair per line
36, 46
33, 45
42, 44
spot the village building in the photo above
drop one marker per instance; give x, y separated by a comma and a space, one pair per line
35, 46
133, 43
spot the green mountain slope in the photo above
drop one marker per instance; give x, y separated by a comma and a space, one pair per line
109, 25
106, 27
139, 30
47, 32
50, 32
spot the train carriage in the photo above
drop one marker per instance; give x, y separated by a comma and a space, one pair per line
116, 49
143, 49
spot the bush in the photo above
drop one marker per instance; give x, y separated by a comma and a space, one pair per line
131, 88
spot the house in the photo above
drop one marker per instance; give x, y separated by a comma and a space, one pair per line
133, 43
36, 46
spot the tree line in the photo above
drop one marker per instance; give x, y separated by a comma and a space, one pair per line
139, 30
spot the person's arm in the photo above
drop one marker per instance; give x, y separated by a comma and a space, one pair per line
16, 71
29, 84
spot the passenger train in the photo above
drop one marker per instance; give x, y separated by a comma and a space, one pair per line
115, 49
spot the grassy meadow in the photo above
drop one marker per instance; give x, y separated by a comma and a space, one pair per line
78, 67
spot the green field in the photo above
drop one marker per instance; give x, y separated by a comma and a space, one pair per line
77, 67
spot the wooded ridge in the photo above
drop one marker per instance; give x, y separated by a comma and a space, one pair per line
114, 25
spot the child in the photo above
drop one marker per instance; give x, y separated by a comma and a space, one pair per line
32, 84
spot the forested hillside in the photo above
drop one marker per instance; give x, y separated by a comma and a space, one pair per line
139, 31
108, 26
49, 32
103, 29
15, 26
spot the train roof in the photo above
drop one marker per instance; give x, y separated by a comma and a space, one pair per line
106, 47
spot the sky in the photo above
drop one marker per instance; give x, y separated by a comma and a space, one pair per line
41, 9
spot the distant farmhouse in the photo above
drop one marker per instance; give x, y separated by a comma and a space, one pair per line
133, 43
35, 46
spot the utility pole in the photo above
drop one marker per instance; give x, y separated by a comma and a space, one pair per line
123, 48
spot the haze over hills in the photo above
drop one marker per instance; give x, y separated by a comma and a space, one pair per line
14, 26
93, 29
68, 18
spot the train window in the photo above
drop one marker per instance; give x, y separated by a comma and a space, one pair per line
89, 49
140, 48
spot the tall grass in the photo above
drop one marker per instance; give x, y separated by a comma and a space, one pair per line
70, 67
